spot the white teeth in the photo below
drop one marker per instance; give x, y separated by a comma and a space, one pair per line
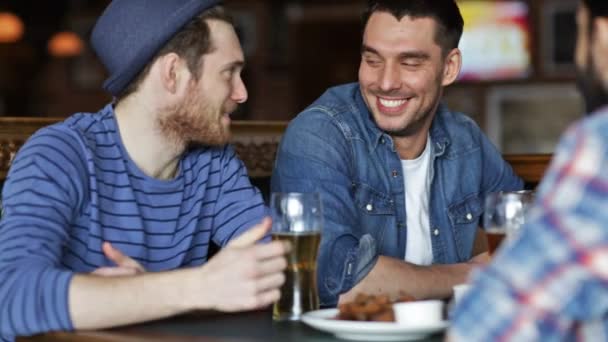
392, 103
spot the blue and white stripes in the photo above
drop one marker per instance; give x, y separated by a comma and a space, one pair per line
73, 186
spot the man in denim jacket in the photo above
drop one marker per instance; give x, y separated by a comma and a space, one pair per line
384, 148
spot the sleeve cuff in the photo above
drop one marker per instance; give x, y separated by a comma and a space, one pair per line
366, 258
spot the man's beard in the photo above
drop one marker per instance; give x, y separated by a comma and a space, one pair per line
591, 87
194, 123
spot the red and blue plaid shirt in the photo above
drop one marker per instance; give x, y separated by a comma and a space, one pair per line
551, 284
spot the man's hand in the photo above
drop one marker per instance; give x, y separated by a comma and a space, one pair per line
125, 266
245, 275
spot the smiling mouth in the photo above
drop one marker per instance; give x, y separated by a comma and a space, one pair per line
391, 105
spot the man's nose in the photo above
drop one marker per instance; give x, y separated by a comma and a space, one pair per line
390, 77
239, 92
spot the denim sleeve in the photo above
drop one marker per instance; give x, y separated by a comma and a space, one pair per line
498, 175
315, 156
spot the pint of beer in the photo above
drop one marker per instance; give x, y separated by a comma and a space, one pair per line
297, 218
504, 214
495, 235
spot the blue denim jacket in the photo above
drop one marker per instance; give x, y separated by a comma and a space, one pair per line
335, 148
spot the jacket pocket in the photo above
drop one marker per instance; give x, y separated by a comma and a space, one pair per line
376, 215
372, 202
465, 216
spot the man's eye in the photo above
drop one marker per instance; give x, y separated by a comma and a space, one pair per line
411, 62
372, 62
228, 73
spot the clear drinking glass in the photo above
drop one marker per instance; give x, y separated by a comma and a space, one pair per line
297, 218
505, 212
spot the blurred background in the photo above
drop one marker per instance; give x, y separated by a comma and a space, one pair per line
517, 82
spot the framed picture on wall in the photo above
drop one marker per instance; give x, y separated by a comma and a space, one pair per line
558, 37
522, 119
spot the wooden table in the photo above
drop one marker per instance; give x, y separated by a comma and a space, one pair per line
241, 327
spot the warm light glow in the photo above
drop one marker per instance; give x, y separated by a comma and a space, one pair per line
11, 28
495, 44
65, 44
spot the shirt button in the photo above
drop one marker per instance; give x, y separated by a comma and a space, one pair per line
394, 173
469, 216
436, 232
382, 141
369, 207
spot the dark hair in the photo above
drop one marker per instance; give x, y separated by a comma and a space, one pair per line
445, 12
597, 8
191, 43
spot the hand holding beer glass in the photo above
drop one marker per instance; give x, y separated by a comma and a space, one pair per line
297, 218
504, 214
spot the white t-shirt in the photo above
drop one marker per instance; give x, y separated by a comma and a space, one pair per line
417, 179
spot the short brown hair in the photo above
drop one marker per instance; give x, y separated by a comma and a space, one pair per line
445, 12
191, 43
597, 8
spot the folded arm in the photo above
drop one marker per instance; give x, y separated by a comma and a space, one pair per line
392, 276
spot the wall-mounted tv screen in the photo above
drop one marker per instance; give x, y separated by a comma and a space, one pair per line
495, 43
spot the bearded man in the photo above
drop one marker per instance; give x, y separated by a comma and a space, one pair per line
141, 188
549, 284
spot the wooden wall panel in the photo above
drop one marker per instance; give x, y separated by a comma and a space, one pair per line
256, 143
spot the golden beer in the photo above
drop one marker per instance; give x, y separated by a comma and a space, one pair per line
495, 237
299, 292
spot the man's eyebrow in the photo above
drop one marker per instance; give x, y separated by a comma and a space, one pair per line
235, 64
365, 48
402, 55
414, 54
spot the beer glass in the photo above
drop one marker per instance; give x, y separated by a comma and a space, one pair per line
505, 212
297, 218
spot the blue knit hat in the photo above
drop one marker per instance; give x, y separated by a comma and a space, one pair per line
129, 33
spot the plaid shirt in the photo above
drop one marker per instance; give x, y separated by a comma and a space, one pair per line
551, 284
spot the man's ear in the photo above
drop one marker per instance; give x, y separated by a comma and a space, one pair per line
600, 27
170, 71
453, 63
599, 46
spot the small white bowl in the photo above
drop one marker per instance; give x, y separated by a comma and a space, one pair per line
424, 312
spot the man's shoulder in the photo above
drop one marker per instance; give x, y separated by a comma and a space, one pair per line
458, 127
596, 122
456, 121
78, 124
459, 133
336, 110
337, 103
68, 137
90, 123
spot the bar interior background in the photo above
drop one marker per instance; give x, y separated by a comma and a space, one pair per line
518, 78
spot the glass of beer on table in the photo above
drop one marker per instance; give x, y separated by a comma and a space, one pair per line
504, 214
297, 218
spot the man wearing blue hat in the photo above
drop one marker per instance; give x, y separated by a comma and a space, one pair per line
145, 184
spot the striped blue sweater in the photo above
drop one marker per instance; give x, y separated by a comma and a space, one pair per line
73, 186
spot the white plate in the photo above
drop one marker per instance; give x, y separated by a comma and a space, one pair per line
368, 331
